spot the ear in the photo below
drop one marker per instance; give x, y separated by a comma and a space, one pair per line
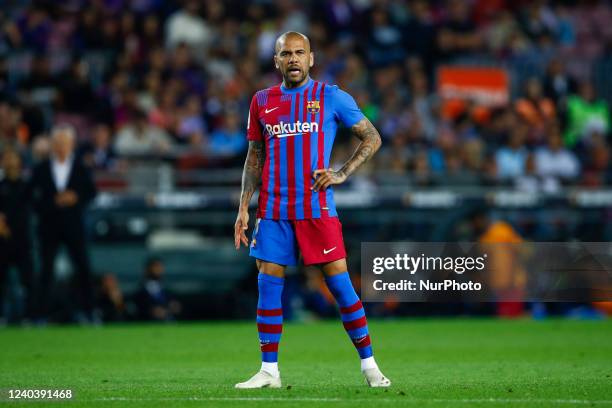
311, 63
276, 62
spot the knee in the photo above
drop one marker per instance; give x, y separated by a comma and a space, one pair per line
335, 267
271, 269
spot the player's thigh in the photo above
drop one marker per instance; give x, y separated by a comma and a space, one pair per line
320, 241
273, 242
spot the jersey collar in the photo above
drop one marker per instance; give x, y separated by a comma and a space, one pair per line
296, 90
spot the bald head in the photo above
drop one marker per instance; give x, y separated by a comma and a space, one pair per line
293, 58
290, 35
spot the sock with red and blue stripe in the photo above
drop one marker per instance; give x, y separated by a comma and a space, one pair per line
269, 320
353, 316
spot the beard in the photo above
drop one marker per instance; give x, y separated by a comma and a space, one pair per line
295, 78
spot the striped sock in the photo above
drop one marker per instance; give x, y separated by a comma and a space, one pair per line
352, 313
269, 319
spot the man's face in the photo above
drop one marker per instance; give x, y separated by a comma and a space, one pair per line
294, 59
11, 162
62, 146
157, 270
101, 136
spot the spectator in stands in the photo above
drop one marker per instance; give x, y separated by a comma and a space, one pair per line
421, 170
424, 104
151, 34
530, 182
99, 153
191, 126
165, 113
35, 28
75, 89
87, 30
153, 301
230, 139
457, 34
40, 86
385, 44
10, 35
598, 166
13, 132
187, 73
110, 35
340, 15
419, 33
125, 107
187, 26
558, 84
396, 156
41, 149
457, 174
394, 115
511, 158
556, 162
586, 115
139, 137
15, 239
148, 93
503, 35
472, 153
536, 20
62, 188
534, 108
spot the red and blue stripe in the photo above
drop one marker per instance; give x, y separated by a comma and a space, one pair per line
352, 313
269, 316
290, 161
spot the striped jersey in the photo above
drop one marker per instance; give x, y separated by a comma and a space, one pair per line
298, 127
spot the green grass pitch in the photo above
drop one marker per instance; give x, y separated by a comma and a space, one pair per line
432, 363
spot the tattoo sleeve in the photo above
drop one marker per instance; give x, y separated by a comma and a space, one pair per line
370, 143
251, 175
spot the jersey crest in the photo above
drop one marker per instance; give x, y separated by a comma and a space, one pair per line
313, 107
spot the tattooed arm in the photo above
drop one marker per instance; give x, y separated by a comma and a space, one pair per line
251, 177
370, 143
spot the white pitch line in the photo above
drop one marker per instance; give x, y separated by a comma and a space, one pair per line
373, 399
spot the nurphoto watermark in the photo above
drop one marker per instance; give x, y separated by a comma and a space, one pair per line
486, 272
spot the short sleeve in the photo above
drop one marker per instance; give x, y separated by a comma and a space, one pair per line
253, 126
346, 108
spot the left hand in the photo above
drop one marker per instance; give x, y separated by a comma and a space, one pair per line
327, 177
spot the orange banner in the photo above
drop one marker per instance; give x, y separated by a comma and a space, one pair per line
484, 86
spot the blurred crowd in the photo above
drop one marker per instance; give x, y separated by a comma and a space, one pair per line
173, 79
101, 82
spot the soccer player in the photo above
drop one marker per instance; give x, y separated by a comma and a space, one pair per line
291, 130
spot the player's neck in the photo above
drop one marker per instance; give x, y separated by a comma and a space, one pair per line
290, 86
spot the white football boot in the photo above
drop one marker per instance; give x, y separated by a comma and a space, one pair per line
262, 379
375, 378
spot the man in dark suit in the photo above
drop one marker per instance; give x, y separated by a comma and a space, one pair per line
62, 187
15, 237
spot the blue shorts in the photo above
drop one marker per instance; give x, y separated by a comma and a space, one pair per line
319, 240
